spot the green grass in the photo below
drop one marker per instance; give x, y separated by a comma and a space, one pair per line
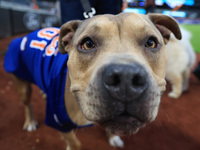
195, 30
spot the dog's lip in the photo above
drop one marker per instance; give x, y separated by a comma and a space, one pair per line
123, 124
126, 118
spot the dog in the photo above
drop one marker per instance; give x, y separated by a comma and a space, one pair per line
112, 72
181, 59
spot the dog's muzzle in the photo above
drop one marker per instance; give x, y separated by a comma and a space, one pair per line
122, 98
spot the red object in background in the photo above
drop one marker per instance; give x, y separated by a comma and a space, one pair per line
177, 8
125, 5
35, 6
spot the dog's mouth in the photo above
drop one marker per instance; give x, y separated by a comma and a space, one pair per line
123, 124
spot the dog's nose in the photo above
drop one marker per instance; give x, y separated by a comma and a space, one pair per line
125, 82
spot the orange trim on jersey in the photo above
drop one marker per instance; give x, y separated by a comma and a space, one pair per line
48, 33
50, 50
38, 44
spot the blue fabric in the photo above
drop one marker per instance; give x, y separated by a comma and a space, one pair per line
47, 71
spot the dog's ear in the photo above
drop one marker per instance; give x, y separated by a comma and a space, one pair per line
166, 24
66, 34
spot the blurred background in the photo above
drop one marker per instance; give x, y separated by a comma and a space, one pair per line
24, 15
186, 12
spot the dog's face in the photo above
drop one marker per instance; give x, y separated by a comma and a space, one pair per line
117, 67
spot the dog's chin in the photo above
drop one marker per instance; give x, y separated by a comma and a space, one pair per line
123, 125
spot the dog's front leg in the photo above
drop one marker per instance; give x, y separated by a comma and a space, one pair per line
72, 141
23, 89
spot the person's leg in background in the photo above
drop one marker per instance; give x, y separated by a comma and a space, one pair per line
197, 71
72, 9
107, 6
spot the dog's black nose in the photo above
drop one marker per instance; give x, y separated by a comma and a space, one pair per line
125, 82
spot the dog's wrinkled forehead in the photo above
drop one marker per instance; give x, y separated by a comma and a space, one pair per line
118, 25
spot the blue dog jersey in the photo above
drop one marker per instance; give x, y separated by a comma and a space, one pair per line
36, 58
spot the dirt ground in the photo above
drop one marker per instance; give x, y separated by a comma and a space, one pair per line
177, 126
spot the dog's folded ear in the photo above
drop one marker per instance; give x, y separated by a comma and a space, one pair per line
166, 24
66, 34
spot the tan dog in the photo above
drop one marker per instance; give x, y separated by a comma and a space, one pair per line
181, 59
116, 72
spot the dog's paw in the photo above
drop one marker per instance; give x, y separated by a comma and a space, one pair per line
30, 126
174, 95
116, 141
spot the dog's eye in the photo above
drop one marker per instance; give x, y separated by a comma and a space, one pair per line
151, 43
87, 44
